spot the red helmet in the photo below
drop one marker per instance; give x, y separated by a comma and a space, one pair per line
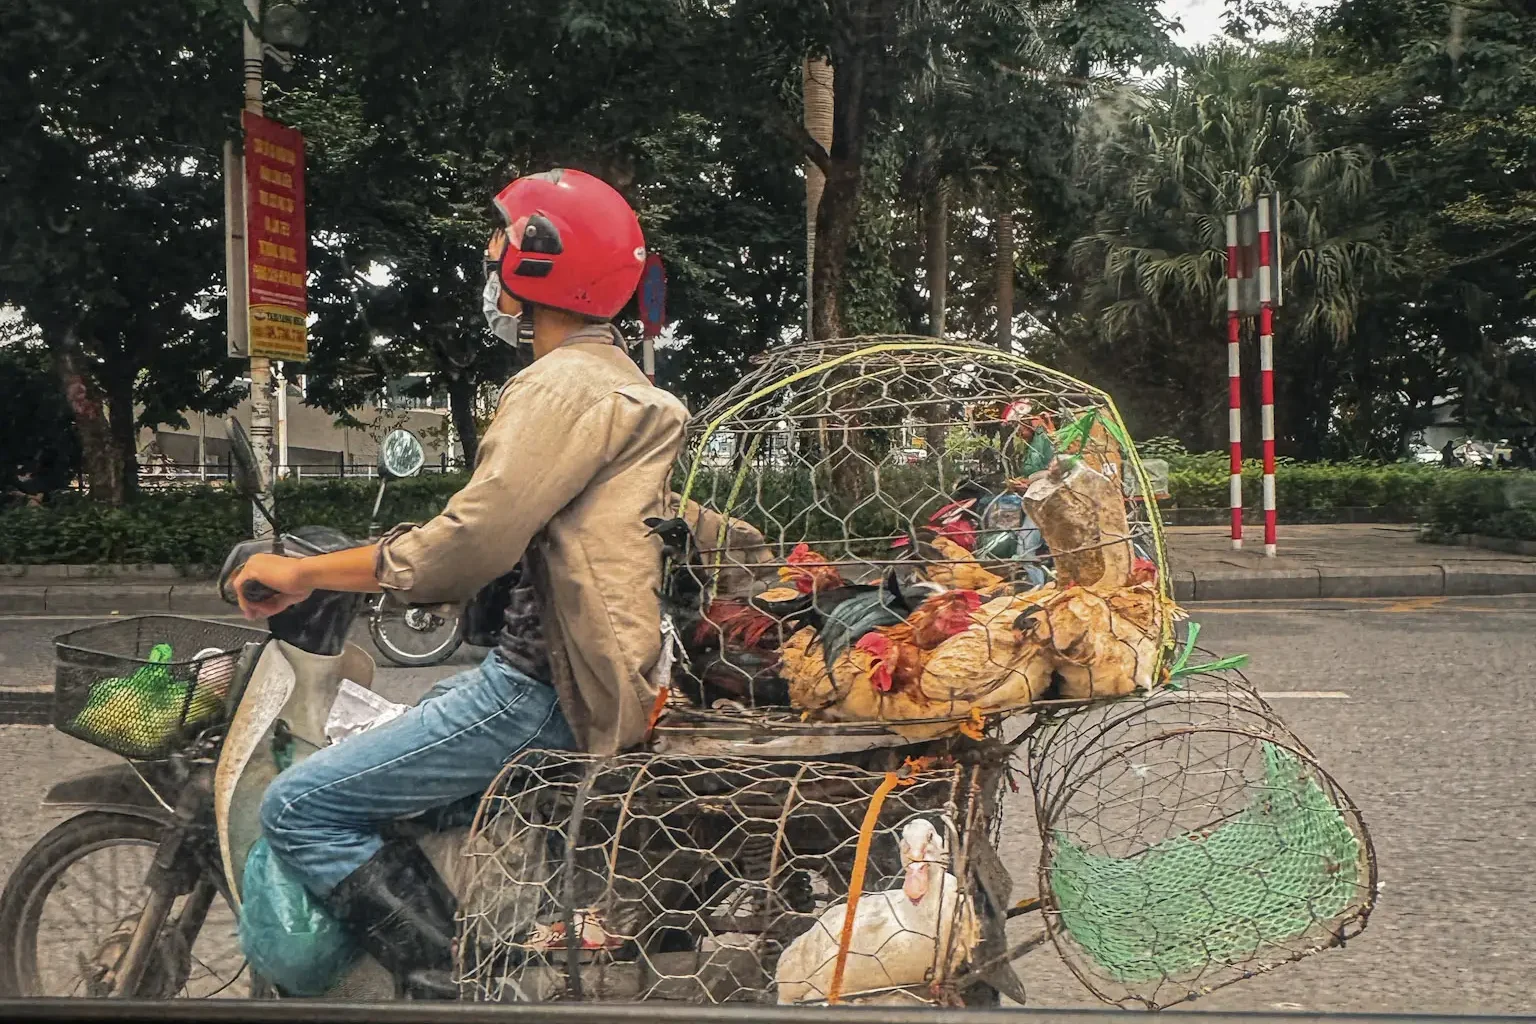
573, 243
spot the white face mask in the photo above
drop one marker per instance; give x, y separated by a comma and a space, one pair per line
504, 325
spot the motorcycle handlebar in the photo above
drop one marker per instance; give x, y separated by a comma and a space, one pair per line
256, 591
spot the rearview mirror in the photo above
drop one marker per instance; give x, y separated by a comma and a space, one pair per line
401, 455
247, 477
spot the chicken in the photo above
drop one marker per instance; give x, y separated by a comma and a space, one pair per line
990, 665
1102, 643
899, 652
809, 571
840, 692
590, 927
729, 643
938, 618
731, 622
899, 936
956, 520
951, 565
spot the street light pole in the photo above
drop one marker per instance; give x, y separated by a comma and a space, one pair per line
261, 368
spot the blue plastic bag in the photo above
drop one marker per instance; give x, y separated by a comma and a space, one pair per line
287, 935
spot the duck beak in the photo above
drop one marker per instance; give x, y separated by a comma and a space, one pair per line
916, 885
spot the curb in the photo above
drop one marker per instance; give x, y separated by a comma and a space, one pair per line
42, 575
112, 599
1465, 580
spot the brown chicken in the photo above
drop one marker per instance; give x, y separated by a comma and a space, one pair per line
809, 572
899, 652
954, 567
841, 695
1101, 643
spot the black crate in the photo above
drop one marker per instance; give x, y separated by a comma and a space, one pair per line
115, 690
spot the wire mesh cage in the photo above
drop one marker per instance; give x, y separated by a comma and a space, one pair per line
716, 880
139, 686
924, 534
1190, 840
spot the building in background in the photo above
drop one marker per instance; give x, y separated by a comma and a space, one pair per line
317, 444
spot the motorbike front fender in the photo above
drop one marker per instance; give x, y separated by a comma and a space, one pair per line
149, 792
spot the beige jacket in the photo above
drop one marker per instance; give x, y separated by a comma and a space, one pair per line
579, 455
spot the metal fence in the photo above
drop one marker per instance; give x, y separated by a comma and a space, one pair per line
161, 473
289, 1011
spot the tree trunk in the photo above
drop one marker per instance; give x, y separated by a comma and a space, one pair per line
461, 401
103, 474
1004, 270
835, 219
817, 83
121, 423
936, 227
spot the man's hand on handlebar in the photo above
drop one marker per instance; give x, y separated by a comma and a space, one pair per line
267, 584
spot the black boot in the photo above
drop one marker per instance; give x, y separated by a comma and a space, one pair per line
401, 912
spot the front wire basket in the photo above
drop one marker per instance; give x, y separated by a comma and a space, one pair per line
140, 686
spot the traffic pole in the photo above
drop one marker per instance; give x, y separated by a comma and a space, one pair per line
1234, 388
261, 368
1267, 374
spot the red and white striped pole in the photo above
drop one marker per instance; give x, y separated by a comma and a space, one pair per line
1234, 387
1267, 373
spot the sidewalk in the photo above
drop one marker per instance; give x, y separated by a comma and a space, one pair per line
1337, 561
1313, 562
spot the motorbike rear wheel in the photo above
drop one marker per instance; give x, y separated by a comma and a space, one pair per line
413, 637
196, 956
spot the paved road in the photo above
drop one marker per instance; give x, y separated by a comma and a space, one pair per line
1432, 742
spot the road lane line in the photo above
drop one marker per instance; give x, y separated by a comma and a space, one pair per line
1304, 695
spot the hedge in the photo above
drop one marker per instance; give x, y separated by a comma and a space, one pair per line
197, 525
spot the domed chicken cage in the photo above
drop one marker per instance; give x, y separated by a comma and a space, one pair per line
905, 472
897, 565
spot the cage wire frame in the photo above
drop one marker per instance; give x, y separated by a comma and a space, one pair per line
1100, 812
860, 393
645, 877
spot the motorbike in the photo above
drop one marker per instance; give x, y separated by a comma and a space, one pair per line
419, 636
186, 798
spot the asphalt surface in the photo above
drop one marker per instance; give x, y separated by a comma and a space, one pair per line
1431, 739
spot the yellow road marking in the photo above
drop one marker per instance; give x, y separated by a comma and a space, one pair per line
1415, 604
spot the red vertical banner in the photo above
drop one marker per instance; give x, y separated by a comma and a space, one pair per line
276, 240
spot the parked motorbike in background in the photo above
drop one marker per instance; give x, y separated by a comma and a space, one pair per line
416, 636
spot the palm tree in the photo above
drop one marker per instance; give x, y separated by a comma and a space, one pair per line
1163, 167
817, 82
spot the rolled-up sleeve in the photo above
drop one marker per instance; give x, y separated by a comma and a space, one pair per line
539, 453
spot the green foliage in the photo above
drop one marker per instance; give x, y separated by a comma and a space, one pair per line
39, 452
113, 117
1491, 504
197, 526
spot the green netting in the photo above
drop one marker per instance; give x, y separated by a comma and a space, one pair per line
1270, 874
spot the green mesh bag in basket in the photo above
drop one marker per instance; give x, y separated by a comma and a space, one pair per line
1189, 840
1263, 878
138, 687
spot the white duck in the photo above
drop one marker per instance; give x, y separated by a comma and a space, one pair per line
898, 935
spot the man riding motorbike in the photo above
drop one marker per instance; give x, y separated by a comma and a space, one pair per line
577, 458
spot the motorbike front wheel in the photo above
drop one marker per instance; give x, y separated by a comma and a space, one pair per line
413, 637
73, 901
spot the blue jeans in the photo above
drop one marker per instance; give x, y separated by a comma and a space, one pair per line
322, 816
